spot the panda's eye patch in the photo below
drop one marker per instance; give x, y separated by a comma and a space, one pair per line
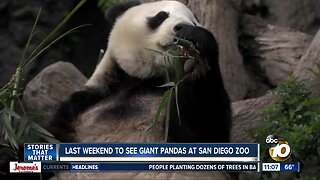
155, 21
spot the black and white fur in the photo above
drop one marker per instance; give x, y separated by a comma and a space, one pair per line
123, 94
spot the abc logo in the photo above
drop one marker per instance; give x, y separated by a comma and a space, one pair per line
279, 149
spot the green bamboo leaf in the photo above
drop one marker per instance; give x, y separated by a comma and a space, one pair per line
41, 130
177, 103
15, 92
167, 54
155, 51
11, 112
166, 127
169, 84
3, 92
28, 127
10, 135
22, 126
183, 42
29, 38
163, 102
5, 87
13, 141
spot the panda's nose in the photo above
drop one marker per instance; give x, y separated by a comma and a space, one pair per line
177, 27
181, 27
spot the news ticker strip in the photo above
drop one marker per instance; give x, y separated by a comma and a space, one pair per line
168, 152
38, 167
281, 167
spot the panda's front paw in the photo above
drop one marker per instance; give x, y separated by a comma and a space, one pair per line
204, 49
202, 39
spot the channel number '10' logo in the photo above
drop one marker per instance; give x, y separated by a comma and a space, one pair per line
279, 149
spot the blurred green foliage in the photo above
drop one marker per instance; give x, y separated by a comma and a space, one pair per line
294, 116
105, 4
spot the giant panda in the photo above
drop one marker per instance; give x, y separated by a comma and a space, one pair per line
123, 94
124, 89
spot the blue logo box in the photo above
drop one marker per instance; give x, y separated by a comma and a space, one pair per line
40, 152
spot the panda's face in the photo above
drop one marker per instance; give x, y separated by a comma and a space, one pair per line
141, 31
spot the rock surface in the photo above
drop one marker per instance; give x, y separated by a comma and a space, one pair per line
50, 87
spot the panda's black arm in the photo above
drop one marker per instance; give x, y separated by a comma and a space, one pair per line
205, 112
62, 124
204, 105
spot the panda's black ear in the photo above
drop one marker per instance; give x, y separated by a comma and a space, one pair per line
117, 10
